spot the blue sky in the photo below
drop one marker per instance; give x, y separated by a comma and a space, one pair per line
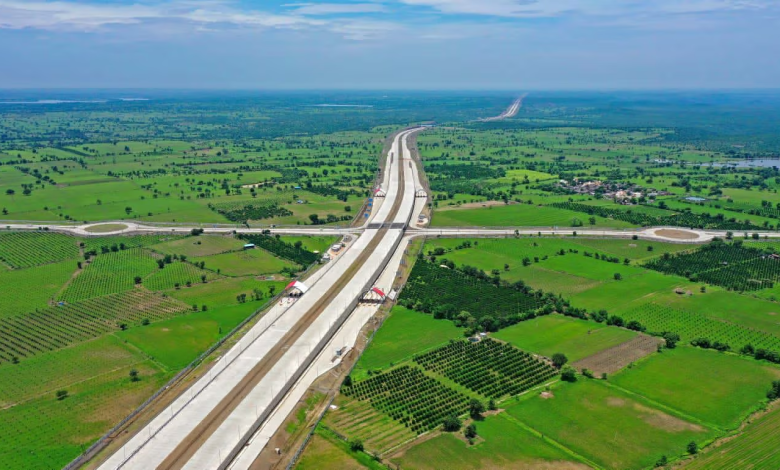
390, 44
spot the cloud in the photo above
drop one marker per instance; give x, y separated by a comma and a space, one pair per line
335, 8
208, 15
558, 8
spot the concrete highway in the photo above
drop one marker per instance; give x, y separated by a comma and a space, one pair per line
225, 417
228, 415
511, 111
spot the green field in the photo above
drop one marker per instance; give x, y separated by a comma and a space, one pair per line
555, 333
402, 335
719, 389
177, 342
516, 215
755, 447
607, 426
503, 443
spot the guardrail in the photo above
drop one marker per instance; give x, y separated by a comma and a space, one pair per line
303, 445
303, 367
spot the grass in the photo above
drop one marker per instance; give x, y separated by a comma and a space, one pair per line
244, 263
47, 433
755, 447
551, 334
104, 228
402, 335
517, 215
24, 290
177, 342
222, 292
717, 388
203, 245
502, 444
606, 425
56, 370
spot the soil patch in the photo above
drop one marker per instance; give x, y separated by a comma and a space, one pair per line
105, 228
476, 205
677, 234
547, 395
617, 357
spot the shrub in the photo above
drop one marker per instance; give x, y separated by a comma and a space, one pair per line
569, 374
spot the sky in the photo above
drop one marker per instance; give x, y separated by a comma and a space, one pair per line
390, 44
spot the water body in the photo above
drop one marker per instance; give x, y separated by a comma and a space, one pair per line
51, 101
758, 163
343, 105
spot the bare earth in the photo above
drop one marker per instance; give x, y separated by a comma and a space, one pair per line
617, 357
677, 234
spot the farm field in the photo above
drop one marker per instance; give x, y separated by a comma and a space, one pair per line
607, 426
552, 334
403, 334
517, 215
100, 308
83, 315
716, 388
753, 448
503, 444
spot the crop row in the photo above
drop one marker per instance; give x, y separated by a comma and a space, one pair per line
110, 273
56, 327
431, 285
409, 396
681, 219
281, 248
97, 244
178, 272
689, 325
27, 249
730, 265
488, 367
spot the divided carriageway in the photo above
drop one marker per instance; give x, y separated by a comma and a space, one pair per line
215, 424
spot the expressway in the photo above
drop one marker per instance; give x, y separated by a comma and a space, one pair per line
220, 421
509, 112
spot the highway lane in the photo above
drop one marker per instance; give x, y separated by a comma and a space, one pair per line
230, 413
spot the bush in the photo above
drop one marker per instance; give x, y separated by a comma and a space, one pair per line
569, 374
559, 359
693, 448
356, 445
471, 431
774, 392
476, 408
61, 394
452, 423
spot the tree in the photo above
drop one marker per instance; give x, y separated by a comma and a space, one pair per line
315, 219
662, 461
145, 322
569, 374
476, 408
452, 423
693, 448
471, 431
671, 339
618, 276
492, 405
774, 392
61, 394
356, 445
10, 192
137, 279
559, 359
298, 244
134, 375
348, 381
